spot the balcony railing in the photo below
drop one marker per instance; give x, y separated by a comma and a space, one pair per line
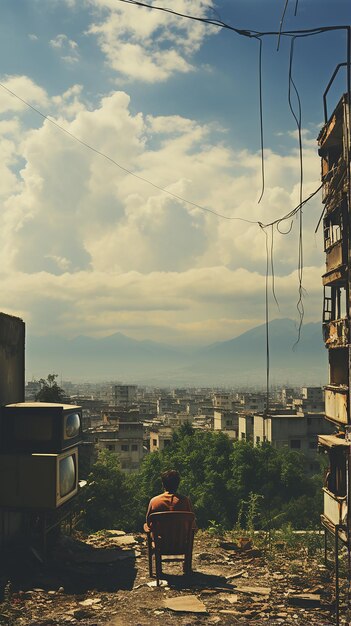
336, 333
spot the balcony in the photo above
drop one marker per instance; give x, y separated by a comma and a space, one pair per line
336, 403
334, 256
335, 180
335, 508
336, 333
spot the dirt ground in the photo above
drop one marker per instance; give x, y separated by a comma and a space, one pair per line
103, 579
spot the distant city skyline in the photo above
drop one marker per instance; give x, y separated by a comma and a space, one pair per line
89, 249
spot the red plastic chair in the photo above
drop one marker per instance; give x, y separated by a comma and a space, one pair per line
170, 533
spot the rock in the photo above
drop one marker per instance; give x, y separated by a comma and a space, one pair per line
186, 604
90, 601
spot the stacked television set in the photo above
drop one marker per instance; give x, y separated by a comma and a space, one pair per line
39, 454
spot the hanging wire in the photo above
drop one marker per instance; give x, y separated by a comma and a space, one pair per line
281, 23
277, 221
296, 6
272, 267
267, 319
261, 117
298, 119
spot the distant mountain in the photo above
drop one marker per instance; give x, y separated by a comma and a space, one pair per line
241, 360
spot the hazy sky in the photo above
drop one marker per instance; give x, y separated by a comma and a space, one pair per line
86, 248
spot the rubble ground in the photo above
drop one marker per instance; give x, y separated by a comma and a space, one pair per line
103, 579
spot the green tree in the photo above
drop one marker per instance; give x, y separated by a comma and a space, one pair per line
105, 502
49, 390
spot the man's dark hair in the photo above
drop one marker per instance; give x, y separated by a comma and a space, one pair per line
170, 480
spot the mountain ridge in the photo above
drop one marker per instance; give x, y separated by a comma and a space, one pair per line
241, 359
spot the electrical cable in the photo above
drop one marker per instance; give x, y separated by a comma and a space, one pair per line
296, 7
149, 182
281, 23
298, 119
267, 321
272, 268
261, 118
239, 31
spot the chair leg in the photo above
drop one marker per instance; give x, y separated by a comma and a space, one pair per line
149, 546
158, 563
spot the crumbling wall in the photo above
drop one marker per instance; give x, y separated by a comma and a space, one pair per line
12, 335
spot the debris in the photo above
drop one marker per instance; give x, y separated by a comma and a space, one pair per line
186, 604
90, 601
228, 597
261, 591
236, 575
304, 599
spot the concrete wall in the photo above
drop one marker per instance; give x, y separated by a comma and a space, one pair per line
12, 335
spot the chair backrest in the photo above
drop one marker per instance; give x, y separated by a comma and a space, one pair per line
172, 531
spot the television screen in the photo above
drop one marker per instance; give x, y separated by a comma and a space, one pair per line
72, 425
67, 475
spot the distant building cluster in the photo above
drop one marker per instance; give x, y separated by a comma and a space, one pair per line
133, 421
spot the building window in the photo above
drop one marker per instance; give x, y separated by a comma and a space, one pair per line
125, 447
295, 444
134, 447
110, 447
258, 439
154, 442
229, 423
243, 436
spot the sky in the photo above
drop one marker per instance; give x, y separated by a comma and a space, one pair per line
89, 249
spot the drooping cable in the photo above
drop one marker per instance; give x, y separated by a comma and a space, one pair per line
281, 23
272, 268
261, 117
149, 182
267, 319
305, 32
298, 119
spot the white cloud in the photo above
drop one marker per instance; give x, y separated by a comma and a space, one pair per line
68, 48
33, 37
103, 251
149, 45
23, 87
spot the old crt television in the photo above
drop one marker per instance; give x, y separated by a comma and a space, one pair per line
38, 481
40, 427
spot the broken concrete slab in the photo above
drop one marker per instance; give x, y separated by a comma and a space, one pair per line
304, 599
186, 604
260, 591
